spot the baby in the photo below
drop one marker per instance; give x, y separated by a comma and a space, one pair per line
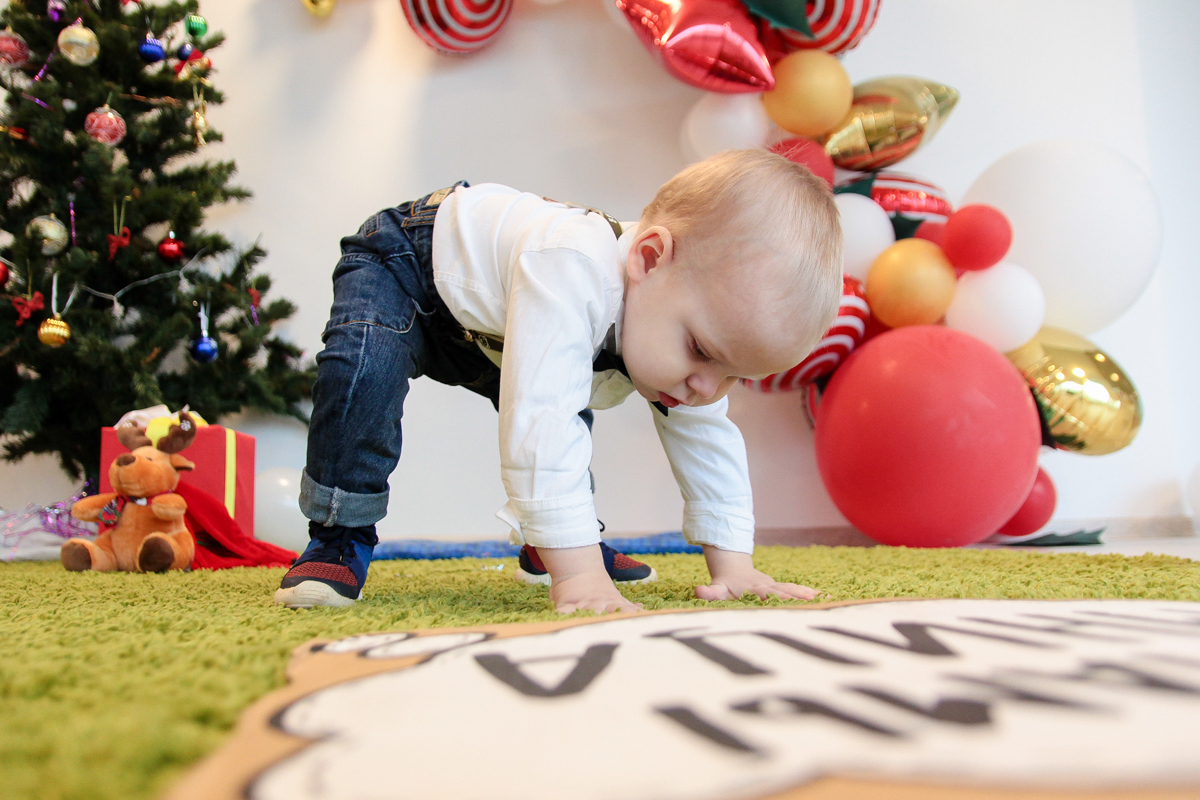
551, 310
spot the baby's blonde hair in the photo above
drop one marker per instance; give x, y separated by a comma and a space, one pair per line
743, 202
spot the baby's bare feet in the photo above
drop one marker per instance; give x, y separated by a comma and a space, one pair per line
589, 591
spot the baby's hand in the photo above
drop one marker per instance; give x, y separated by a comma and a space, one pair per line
733, 574
580, 582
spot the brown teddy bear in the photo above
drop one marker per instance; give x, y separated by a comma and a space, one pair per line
149, 534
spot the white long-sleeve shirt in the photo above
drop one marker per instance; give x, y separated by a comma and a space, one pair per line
549, 280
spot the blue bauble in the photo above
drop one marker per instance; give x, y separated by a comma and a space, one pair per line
184, 51
204, 349
152, 50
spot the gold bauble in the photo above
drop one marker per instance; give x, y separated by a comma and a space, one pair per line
888, 120
319, 8
54, 332
812, 93
51, 231
1088, 403
78, 44
910, 283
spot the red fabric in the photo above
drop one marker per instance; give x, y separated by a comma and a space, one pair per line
220, 542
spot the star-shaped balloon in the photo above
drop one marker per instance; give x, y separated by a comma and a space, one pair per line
889, 119
711, 44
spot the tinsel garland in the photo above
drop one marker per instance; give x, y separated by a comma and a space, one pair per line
55, 520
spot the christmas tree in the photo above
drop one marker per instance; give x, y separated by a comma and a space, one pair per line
112, 297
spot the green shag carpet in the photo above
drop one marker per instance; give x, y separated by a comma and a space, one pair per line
112, 684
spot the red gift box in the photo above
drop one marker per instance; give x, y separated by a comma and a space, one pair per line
224, 460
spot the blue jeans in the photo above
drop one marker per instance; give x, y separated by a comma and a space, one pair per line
387, 325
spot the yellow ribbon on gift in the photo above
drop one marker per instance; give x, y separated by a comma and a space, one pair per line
230, 469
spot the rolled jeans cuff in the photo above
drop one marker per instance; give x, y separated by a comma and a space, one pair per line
718, 524
330, 506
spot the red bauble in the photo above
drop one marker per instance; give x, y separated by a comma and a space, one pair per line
1037, 509
14, 52
839, 341
711, 44
977, 237
456, 27
105, 125
927, 437
3, 276
170, 248
807, 153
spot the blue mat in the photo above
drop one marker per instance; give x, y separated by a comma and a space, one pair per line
427, 549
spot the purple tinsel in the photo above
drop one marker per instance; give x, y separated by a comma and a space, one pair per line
55, 519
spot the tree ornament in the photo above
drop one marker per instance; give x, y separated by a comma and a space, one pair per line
151, 50
55, 332
120, 236
78, 44
204, 348
55, 9
105, 125
199, 120
170, 249
4, 275
52, 233
14, 52
319, 8
184, 51
196, 26
195, 60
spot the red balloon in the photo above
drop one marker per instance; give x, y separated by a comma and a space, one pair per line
931, 231
456, 27
1036, 510
976, 237
927, 437
712, 44
807, 153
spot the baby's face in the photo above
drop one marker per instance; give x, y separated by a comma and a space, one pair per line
688, 335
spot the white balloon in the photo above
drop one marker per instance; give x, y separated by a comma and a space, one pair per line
277, 515
866, 232
725, 122
1002, 305
1085, 222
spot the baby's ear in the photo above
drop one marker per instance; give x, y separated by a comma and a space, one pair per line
652, 247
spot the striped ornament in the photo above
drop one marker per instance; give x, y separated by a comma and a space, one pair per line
840, 340
838, 25
911, 197
456, 27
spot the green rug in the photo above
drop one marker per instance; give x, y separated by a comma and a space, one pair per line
111, 685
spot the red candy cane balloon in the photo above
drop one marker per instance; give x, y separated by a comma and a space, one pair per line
838, 25
912, 197
841, 339
456, 27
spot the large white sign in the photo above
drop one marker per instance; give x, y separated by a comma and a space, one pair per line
747, 703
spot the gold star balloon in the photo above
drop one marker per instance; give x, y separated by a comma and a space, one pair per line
889, 119
1087, 401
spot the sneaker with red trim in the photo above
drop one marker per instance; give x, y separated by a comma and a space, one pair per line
331, 571
621, 568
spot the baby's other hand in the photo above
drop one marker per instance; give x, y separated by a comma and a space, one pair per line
733, 574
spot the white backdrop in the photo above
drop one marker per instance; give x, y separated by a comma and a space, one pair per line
331, 120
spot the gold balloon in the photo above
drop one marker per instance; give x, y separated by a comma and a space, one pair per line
888, 120
78, 44
910, 283
54, 332
1088, 403
319, 8
812, 93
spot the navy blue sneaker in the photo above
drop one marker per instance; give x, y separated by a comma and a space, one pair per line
621, 568
332, 569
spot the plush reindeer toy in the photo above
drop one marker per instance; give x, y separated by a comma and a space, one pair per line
148, 534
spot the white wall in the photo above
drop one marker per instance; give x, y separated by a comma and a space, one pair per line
332, 120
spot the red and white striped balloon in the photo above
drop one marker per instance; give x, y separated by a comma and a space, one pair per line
456, 27
838, 25
903, 194
839, 341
